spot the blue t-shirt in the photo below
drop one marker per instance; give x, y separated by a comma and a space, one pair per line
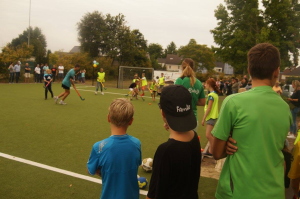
47, 78
69, 75
118, 158
45, 68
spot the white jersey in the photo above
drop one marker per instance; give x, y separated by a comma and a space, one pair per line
37, 70
61, 69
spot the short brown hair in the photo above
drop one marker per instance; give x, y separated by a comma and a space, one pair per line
120, 112
263, 60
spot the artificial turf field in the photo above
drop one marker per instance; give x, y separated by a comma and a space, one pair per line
61, 136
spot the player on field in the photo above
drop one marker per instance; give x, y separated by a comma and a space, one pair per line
100, 80
152, 86
144, 83
66, 84
48, 79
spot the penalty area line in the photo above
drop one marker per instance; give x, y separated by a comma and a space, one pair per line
62, 171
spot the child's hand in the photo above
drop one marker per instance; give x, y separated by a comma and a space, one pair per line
202, 123
230, 148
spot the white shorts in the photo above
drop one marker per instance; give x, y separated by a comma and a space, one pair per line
27, 75
131, 89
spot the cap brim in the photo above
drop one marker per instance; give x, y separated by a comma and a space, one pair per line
182, 124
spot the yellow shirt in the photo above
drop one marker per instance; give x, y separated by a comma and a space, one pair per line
277, 89
295, 167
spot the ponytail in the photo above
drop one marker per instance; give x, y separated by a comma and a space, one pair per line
213, 84
187, 67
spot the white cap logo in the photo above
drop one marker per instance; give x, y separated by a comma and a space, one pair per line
179, 109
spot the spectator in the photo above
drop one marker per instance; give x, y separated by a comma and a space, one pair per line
17, 68
221, 87
189, 81
27, 73
277, 88
41, 73
37, 72
235, 86
54, 72
295, 100
83, 76
118, 157
228, 87
256, 168
249, 85
294, 173
45, 68
11, 73
79, 76
177, 162
244, 83
60, 72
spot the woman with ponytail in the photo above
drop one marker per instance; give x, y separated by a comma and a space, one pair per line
194, 86
211, 109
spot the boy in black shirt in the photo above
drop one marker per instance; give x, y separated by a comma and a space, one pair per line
176, 166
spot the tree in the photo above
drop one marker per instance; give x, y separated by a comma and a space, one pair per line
155, 51
283, 22
20, 53
37, 40
171, 48
201, 54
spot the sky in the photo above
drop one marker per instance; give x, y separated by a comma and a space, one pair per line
161, 21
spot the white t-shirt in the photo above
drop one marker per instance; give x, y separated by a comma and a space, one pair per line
37, 70
61, 69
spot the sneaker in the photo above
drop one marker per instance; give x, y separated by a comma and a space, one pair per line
291, 136
126, 95
143, 94
208, 155
62, 102
95, 92
102, 93
55, 99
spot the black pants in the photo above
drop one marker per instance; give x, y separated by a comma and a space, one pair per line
37, 78
11, 77
53, 77
46, 90
42, 77
17, 76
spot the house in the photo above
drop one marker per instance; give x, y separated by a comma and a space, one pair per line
289, 73
219, 68
171, 62
75, 49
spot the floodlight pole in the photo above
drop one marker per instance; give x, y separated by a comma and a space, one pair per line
29, 23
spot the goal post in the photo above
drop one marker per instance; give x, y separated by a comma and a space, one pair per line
126, 75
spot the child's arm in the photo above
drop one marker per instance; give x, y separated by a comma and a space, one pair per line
210, 103
71, 80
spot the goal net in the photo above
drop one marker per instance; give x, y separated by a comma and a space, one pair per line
126, 75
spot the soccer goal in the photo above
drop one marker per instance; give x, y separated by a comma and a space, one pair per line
126, 75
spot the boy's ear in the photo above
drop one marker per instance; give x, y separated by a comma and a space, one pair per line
108, 118
130, 122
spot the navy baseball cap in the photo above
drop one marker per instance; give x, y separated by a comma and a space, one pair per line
176, 103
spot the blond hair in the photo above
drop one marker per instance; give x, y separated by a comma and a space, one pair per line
297, 84
48, 71
120, 112
242, 90
187, 70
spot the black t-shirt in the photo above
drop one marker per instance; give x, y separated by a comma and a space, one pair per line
53, 71
296, 95
176, 170
133, 85
27, 71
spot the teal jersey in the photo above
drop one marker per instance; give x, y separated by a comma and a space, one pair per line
69, 75
197, 91
82, 74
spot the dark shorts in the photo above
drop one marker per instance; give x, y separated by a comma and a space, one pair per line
60, 75
65, 87
211, 122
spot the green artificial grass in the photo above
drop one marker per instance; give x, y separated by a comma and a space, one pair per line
62, 136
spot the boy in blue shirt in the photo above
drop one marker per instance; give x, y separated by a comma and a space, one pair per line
48, 79
117, 158
66, 84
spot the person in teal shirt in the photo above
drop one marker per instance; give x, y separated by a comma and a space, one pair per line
189, 81
66, 84
256, 169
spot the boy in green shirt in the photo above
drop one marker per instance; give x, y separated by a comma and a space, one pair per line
256, 169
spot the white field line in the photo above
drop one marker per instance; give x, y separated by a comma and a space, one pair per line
107, 92
62, 171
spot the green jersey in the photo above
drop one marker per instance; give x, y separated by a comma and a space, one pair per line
214, 112
162, 81
196, 91
69, 75
144, 81
153, 86
259, 121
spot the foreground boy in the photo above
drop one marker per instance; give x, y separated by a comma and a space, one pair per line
176, 166
117, 158
256, 169
66, 84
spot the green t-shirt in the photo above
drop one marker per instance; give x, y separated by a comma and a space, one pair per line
259, 121
144, 81
196, 91
153, 86
69, 75
214, 112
